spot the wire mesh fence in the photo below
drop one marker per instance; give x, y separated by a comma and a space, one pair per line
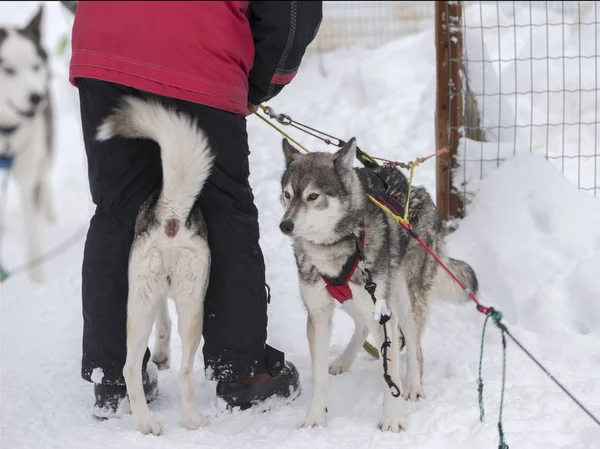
370, 23
529, 82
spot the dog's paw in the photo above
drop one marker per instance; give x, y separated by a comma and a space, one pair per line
194, 420
162, 362
339, 365
391, 423
313, 419
148, 426
412, 388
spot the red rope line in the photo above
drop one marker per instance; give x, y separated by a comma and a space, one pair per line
483, 309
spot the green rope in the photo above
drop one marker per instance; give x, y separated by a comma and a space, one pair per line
480, 380
502, 444
496, 317
3, 274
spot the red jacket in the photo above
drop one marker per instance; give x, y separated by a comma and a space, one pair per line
222, 54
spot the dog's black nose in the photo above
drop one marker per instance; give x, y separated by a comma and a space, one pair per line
286, 226
35, 99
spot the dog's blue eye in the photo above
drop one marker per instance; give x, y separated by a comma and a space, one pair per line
312, 197
287, 195
9, 71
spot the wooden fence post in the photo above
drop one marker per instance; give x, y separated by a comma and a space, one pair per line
449, 103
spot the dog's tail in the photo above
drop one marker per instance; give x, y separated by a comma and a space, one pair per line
446, 288
186, 155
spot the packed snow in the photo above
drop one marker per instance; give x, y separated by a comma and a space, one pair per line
531, 235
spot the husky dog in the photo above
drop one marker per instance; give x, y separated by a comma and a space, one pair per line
26, 125
329, 217
170, 256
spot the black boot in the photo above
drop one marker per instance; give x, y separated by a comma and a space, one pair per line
248, 392
110, 397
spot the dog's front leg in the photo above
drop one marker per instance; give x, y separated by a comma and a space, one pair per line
318, 331
392, 419
393, 410
36, 273
44, 199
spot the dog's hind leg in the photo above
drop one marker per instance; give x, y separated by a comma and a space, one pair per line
344, 361
146, 286
402, 307
190, 278
420, 318
162, 341
318, 331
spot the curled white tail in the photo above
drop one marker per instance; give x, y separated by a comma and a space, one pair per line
186, 155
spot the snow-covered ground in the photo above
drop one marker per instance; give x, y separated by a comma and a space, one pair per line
532, 237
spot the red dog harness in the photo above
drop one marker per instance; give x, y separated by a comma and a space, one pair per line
338, 286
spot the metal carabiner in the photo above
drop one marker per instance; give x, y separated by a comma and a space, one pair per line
284, 119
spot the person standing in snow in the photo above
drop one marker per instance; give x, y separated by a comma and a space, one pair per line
215, 61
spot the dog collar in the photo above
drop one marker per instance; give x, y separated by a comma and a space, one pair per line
337, 286
6, 161
8, 131
6, 158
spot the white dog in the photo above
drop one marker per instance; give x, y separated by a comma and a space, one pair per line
26, 126
170, 256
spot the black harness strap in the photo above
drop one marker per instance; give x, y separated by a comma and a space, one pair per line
380, 190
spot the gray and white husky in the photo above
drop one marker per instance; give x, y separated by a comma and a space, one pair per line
331, 219
26, 125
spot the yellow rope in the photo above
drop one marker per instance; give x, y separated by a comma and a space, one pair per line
398, 218
413, 165
282, 132
367, 157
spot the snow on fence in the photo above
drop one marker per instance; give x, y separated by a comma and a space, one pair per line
514, 77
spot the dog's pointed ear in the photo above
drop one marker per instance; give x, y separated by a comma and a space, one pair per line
289, 152
34, 27
345, 156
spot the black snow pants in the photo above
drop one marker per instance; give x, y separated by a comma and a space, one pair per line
122, 173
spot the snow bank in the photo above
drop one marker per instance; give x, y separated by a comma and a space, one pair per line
540, 238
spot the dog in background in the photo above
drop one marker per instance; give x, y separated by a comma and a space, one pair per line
331, 222
26, 126
170, 256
